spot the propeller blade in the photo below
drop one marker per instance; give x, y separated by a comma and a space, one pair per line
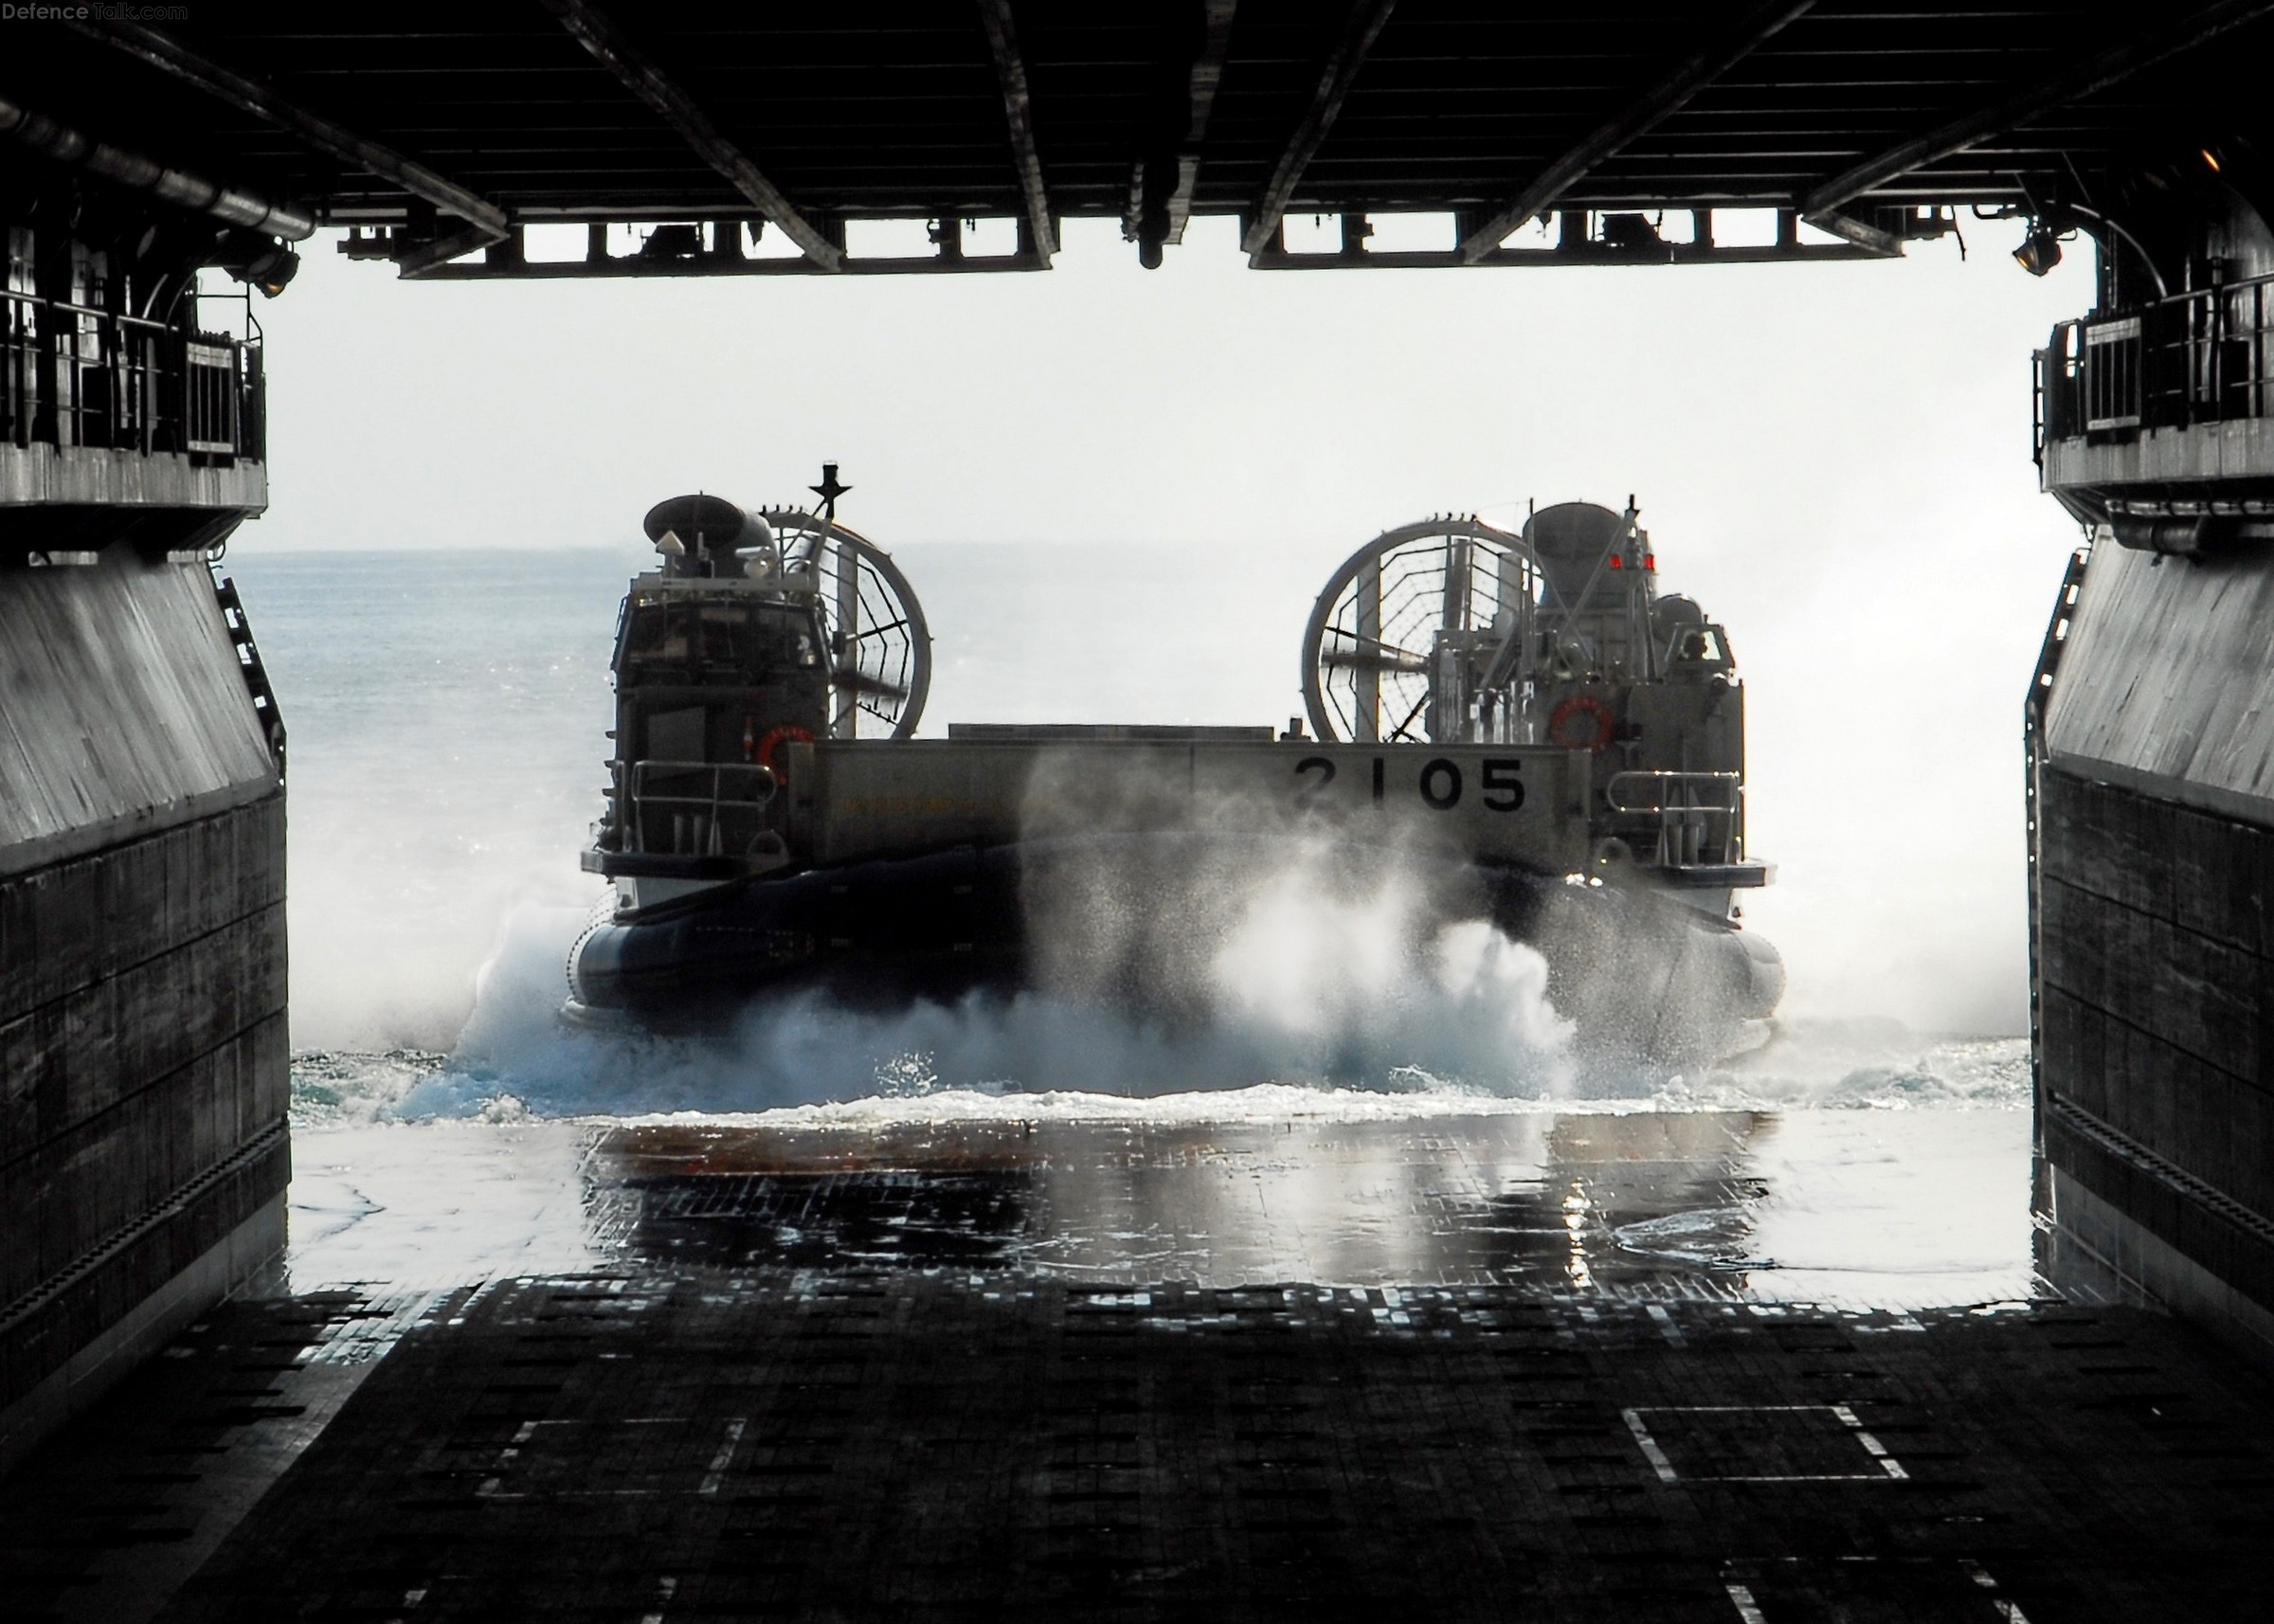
1364, 659
861, 682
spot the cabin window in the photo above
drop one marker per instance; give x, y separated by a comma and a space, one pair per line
707, 640
657, 637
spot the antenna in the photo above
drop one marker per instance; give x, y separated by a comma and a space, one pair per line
829, 490
845, 636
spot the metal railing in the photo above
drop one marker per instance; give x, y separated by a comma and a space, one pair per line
2034, 754
72, 375
1696, 812
700, 809
2199, 357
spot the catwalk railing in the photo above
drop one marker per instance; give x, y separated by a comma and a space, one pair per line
2201, 357
700, 808
74, 376
1697, 814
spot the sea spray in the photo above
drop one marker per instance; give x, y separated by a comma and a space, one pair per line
1311, 1016
1470, 1015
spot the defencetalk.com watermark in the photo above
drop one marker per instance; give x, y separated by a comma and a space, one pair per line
10, 12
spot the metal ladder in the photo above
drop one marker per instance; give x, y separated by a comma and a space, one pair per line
256, 674
2033, 754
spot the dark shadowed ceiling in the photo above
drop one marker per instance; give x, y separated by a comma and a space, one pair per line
1855, 114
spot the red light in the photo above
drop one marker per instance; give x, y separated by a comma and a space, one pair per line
1614, 562
1650, 560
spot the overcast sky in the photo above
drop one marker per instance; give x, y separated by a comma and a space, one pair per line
1834, 458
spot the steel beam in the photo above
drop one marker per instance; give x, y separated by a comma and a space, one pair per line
1019, 114
597, 33
1360, 26
1593, 254
1641, 115
423, 260
1861, 232
631, 266
1207, 72
1168, 160
2093, 73
169, 55
61, 144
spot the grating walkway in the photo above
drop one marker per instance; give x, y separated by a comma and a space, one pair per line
922, 1444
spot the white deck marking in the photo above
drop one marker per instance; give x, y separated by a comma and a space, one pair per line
1650, 1452
665, 1590
1747, 1608
726, 1452
1890, 1468
1886, 1462
2008, 1612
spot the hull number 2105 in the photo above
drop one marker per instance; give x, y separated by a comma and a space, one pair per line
1500, 782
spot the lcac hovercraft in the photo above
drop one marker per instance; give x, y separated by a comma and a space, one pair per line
1515, 729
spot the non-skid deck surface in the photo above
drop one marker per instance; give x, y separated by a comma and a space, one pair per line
919, 1445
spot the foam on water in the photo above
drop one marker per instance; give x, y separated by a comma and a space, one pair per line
1306, 995
1297, 1033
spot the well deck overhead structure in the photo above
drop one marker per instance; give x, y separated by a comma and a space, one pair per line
439, 127
141, 952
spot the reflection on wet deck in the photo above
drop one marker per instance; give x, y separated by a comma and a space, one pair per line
895, 1359
1657, 1201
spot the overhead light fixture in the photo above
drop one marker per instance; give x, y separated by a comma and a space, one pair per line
276, 273
2040, 251
257, 261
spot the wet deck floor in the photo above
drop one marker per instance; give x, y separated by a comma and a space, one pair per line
1877, 1209
1500, 1367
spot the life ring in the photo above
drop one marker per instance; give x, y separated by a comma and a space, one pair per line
1602, 724
788, 732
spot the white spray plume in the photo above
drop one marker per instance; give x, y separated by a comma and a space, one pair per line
1286, 979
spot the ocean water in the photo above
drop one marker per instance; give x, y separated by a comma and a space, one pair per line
444, 714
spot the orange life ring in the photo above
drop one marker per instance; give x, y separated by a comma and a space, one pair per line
775, 738
1603, 720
